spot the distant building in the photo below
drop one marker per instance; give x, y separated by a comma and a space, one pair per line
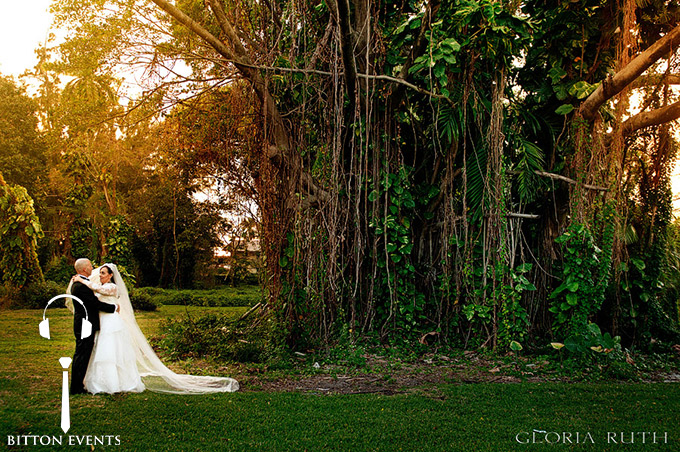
240, 254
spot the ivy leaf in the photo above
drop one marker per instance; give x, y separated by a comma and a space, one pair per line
524, 268
516, 346
529, 286
450, 58
582, 89
572, 299
406, 249
556, 74
469, 312
564, 109
572, 286
452, 44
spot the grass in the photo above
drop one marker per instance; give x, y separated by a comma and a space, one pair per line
477, 417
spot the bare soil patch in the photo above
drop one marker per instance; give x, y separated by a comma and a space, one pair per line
387, 376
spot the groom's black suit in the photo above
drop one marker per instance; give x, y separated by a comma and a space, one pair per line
81, 357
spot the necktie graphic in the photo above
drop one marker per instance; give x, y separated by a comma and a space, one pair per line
65, 411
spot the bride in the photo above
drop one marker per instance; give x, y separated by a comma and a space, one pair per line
123, 360
112, 368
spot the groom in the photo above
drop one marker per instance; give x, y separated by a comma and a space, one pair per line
84, 347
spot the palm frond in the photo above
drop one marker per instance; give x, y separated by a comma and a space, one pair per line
450, 124
530, 160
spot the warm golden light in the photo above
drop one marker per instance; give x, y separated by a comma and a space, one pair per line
24, 25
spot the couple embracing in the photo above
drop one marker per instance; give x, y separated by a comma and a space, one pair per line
116, 357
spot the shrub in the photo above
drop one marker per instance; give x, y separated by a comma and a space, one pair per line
225, 297
60, 270
591, 339
141, 300
36, 295
183, 298
153, 291
10, 296
212, 336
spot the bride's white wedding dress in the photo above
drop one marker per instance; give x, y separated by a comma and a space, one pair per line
113, 365
122, 356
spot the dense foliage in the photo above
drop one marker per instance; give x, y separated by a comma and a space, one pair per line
482, 172
19, 234
22, 160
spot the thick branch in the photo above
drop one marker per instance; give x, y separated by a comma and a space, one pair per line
564, 179
569, 181
194, 26
362, 22
529, 216
651, 118
614, 85
239, 57
656, 79
323, 43
227, 28
386, 78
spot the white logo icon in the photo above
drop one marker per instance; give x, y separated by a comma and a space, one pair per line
44, 326
86, 331
65, 410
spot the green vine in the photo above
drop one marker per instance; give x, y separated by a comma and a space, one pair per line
19, 233
401, 302
586, 272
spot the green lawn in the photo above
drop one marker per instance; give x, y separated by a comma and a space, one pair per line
475, 417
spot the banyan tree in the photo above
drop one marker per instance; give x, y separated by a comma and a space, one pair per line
482, 171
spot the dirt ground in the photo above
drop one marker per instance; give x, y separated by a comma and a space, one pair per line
388, 376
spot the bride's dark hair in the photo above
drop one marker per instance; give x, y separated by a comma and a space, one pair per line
110, 273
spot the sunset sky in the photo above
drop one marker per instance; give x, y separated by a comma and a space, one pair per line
23, 26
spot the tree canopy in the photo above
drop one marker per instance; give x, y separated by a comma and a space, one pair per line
484, 171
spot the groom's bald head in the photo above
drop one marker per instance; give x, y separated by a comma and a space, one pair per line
83, 266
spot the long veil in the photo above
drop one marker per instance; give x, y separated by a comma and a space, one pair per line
155, 375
